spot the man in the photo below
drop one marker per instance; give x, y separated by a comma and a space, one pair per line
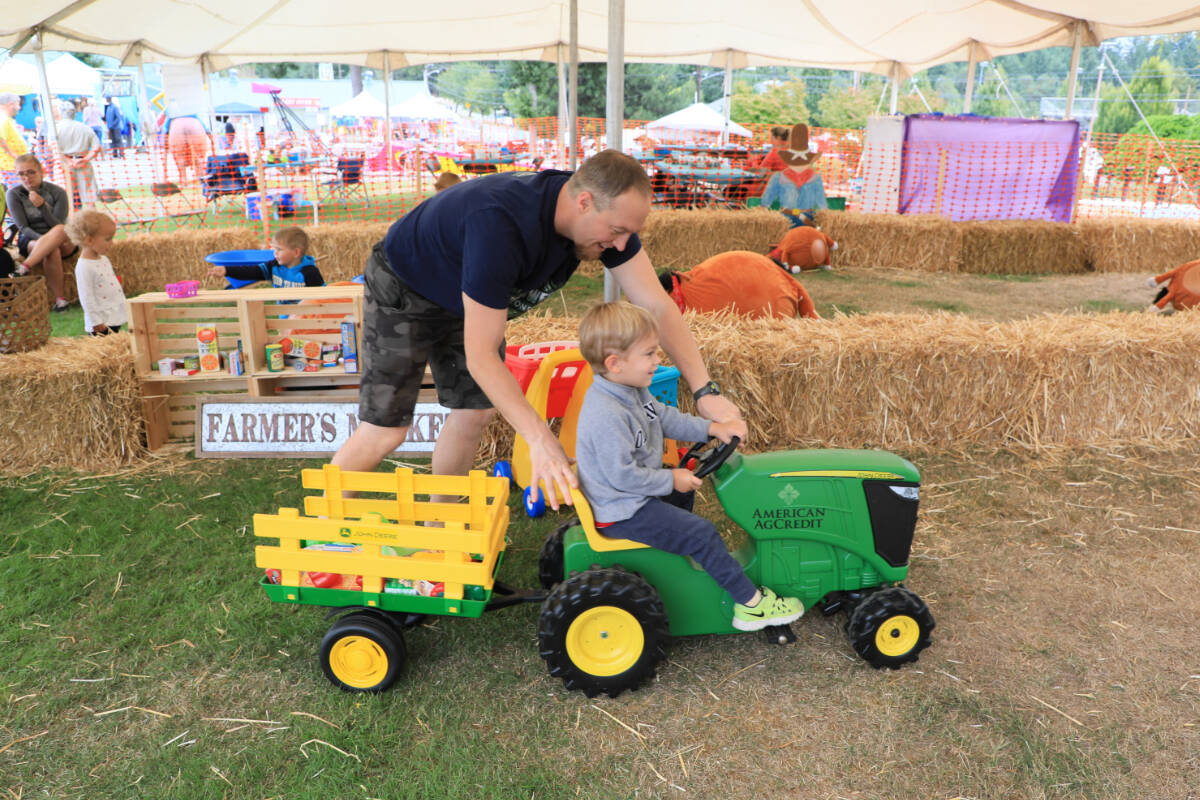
448, 276
79, 147
114, 120
12, 144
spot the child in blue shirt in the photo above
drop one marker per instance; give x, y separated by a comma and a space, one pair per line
619, 445
292, 266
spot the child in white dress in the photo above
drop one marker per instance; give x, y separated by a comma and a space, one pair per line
100, 293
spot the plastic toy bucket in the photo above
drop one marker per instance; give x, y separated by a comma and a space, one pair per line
239, 258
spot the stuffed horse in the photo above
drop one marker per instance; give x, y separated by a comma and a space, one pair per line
745, 283
804, 248
1181, 289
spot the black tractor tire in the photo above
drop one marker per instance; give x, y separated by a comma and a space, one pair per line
550, 559
890, 627
362, 653
603, 630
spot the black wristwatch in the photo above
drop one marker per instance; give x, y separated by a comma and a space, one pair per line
708, 388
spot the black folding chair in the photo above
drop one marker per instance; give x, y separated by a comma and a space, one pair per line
347, 180
174, 204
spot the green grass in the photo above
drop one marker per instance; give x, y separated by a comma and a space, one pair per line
67, 323
1105, 306
1013, 278
942, 305
905, 284
140, 594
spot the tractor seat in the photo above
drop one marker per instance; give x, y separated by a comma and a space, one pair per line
596, 540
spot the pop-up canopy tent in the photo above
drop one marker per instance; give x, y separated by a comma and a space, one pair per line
698, 120
422, 106
364, 104
68, 75
17, 76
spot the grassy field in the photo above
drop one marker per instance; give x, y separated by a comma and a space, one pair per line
142, 659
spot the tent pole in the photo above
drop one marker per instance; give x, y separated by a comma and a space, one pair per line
614, 126
151, 139
573, 88
895, 87
972, 66
387, 115
562, 109
1007, 91
49, 127
1076, 44
727, 91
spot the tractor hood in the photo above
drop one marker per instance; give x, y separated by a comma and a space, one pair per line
864, 464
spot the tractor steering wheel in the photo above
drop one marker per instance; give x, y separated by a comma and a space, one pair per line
712, 458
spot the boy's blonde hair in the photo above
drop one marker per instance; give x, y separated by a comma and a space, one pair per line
83, 224
611, 329
293, 238
445, 181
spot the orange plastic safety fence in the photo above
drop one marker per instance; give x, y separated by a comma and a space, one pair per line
190, 178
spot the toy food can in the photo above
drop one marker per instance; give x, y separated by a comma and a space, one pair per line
274, 358
191, 363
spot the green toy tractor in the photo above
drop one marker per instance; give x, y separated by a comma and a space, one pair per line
831, 527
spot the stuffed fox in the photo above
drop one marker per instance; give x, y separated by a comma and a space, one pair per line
804, 248
743, 282
1181, 289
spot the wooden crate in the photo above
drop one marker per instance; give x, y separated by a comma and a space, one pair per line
164, 327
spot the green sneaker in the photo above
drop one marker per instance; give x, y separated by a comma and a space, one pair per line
771, 610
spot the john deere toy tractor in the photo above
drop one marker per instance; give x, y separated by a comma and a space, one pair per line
831, 527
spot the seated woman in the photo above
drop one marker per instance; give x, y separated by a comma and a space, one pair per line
40, 209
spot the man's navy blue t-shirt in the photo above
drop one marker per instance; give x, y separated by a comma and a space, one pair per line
491, 238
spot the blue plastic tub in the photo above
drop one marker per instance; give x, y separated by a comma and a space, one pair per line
665, 386
239, 258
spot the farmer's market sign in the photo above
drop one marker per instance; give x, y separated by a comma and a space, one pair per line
249, 427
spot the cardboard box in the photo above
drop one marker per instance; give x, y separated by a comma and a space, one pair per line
349, 347
208, 347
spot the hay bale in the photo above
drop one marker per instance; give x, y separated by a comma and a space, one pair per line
1021, 247
1151, 246
341, 250
941, 381
73, 404
679, 239
147, 262
918, 242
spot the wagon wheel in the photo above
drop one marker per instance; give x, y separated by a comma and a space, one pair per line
550, 559
603, 631
890, 627
361, 653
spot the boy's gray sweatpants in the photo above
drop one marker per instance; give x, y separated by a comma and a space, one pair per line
667, 524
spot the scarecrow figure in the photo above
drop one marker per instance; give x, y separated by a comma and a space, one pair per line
798, 189
740, 281
1179, 287
803, 248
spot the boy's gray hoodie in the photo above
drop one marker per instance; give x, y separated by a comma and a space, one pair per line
619, 447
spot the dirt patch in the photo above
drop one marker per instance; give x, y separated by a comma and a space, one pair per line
1062, 666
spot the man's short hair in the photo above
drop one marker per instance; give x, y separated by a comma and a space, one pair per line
608, 175
27, 158
66, 109
293, 238
611, 329
8, 97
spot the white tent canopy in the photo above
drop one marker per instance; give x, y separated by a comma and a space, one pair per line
696, 118
875, 35
363, 105
68, 75
17, 76
422, 106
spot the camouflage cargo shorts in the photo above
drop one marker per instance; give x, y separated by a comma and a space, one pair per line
402, 333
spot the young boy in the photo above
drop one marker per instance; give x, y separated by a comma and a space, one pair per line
619, 449
292, 266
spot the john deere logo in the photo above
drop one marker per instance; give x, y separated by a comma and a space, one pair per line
344, 533
788, 494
